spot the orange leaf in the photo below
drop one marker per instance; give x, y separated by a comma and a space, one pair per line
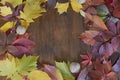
97, 20
88, 37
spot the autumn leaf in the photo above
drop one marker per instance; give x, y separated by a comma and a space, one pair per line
53, 72
62, 7
76, 6
13, 2
14, 67
31, 10
38, 75
62, 66
95, 19
4, 11
88, 37
87, 59
7, 26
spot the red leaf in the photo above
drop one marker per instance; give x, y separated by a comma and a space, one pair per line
87, 59
24, 42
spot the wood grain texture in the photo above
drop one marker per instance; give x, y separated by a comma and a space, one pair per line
57, 36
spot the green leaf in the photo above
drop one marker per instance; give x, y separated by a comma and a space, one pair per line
62, 66
14, 68
26, 64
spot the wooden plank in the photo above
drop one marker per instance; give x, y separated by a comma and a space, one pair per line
57, 36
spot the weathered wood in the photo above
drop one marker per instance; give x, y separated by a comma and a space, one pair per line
57, 36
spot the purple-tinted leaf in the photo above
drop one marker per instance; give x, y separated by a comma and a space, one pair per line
107, 35
116, 67
102, 50
18, 9
109, 48
20, 51
114, 57
51, 70
24, 42
12, 49
83, 74
9, 17
99, 38
111, 26
118, 27
115, 43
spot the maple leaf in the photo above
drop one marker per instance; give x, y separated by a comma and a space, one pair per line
87, 59
88, 36
14, 67
38, 75
53, 72
62, 7
102, 71
13, 2
62, 66
32, 10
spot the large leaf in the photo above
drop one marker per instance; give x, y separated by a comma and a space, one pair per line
95, 19
62, 66
38, 75
26, 64
32, 10
13, 2
13, 68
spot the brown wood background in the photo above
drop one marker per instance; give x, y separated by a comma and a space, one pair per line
57, 36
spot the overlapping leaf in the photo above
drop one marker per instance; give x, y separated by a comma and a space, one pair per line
62, 7
13, 67
62, 66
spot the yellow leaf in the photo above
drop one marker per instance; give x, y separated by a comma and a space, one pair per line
4, 11
7, 26
38, 75
13, 2
76, 6
31, 10
62, 7
25, 24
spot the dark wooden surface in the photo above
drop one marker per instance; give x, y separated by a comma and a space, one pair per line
57, 36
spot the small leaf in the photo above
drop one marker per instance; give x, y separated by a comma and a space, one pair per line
88, 37
53, 72
38, 75
4, 11
7, 26
76, 6
83, 74
62, 7
13, 2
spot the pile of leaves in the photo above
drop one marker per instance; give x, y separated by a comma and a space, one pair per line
102, 20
